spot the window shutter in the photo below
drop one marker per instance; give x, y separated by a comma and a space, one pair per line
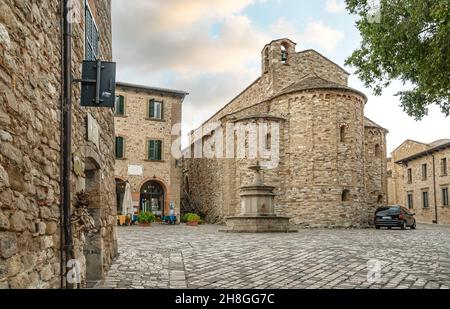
162, 110
151, 150
158, 151
121, 105
151, 109
119, 147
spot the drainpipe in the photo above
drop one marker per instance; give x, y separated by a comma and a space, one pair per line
434, 189
66, 139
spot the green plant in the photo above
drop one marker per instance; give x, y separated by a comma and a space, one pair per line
184, 218
146, 217
191, 217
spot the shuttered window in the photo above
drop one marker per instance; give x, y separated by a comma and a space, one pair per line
154, 150
91, 36
155, 109
120, 105
425, 199
119, 147
445, 196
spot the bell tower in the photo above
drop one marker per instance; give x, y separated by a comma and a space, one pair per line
276, 54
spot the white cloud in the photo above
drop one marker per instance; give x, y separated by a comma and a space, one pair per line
322, 35
334, 6
315, 33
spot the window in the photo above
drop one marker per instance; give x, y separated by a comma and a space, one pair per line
345, 195
445, 196
342, 133
119, 147
444, 167
154, 150
119, 107
380, 199
409, 175
155, 109
91, 36
424, 171
410, 201
425, 199
377, 151
268, 141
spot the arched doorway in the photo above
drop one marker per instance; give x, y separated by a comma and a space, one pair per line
152, 198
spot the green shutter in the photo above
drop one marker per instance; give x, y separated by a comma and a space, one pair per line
151, 150
158, 150
151, 108
121, 105
119, 147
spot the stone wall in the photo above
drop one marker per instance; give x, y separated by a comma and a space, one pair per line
30, 87
432, 184
137, 129
376, 168
315, 167
395, 178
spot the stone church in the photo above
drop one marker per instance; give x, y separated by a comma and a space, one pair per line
331, 168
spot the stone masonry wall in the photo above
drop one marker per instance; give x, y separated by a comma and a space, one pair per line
314, 166
420, 184
376, 169
30, 87
137, 129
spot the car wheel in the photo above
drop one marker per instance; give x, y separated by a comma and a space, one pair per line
413, 226
389, 227
403, 225
377, 227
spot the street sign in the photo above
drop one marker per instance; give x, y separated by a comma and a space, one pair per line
98, 84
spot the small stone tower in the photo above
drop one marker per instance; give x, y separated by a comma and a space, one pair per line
275, 63
275, 54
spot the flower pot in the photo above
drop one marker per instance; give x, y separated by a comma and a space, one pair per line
192, 223
144, 223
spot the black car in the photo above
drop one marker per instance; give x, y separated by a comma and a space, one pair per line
394, 216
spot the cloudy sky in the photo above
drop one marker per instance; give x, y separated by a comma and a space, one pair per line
211, 49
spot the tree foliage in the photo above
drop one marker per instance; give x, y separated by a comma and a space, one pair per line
409, 42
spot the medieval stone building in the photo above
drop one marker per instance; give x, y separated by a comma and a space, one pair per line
419, 179
330, 169
30, 144
144, 119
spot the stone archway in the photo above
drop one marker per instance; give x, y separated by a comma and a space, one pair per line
153, 197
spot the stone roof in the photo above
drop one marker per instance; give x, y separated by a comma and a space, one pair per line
433, 147
439, 142
154, 89
313, 81
370, 123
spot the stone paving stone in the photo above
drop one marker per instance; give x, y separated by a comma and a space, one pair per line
181, 257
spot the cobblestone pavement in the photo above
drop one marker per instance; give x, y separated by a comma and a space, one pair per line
163, 256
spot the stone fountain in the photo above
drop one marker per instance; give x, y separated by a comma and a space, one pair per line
258, 210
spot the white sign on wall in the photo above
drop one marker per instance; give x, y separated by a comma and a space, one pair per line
135, 170
93, 130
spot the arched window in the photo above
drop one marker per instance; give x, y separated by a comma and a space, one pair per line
284, 54
343, 133
345, 195
377, 151
380, 199
119, 147
268, 141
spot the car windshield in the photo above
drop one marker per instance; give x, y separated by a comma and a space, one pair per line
388, 211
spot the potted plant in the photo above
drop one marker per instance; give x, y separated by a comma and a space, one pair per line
145, 218
192, 219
